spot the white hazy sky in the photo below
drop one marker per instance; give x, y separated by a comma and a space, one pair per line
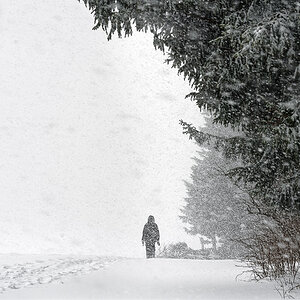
90, 143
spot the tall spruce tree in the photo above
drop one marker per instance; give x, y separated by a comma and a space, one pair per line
214, 206
242, 57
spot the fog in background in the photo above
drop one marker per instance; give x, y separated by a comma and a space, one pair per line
90, 143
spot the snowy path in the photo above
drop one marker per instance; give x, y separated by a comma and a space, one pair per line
146, 279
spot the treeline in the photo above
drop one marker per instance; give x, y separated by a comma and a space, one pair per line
266, 237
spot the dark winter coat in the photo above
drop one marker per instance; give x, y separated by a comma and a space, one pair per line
150, 232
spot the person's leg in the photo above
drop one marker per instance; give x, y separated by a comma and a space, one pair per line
148, 250
152, 250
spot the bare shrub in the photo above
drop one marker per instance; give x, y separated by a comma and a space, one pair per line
272, 249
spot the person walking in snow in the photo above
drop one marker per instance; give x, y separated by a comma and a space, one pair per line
150, 237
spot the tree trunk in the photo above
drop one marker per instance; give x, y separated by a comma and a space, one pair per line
214, 243
202, 243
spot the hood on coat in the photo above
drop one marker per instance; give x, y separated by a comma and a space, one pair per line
151, 219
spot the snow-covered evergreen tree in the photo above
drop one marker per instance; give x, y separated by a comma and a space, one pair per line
215, 206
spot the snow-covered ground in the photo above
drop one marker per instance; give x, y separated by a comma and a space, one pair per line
20, 271
63, 277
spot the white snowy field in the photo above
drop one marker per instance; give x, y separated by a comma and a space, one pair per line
62, 277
